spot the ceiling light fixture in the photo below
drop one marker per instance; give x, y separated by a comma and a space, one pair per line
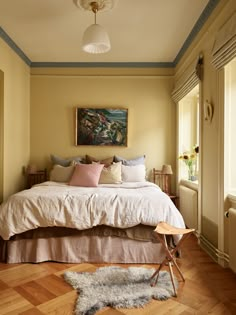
95, 39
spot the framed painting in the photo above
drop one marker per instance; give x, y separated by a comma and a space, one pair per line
101, 126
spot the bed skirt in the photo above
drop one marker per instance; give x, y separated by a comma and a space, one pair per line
72, 249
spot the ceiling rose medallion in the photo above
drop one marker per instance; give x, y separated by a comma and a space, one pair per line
103, 5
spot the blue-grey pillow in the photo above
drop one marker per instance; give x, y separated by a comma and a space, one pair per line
65, 161
136, 161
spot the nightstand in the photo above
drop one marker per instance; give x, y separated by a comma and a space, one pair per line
174, 199
36, 178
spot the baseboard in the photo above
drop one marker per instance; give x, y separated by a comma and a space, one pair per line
218, 256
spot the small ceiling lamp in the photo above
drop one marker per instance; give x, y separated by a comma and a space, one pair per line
95, 39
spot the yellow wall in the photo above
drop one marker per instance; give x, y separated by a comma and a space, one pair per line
211, 143
15, 112
151, 113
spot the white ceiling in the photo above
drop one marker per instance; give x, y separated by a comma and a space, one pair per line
140, 31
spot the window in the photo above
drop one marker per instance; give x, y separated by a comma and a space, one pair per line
230, 127
188, 121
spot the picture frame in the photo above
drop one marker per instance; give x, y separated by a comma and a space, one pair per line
101, 126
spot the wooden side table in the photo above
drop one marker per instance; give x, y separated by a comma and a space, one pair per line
174, 199
36, 178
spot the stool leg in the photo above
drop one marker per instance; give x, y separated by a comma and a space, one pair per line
178, 269
156, 273
170, 254
170, 259
172, 277
175, 250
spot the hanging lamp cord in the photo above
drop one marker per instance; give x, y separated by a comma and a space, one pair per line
94, 6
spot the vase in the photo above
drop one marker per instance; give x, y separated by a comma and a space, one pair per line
193, 178
191, 173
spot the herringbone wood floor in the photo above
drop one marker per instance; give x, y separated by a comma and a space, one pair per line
39, 289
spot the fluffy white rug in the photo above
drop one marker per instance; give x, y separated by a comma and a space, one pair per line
117, 287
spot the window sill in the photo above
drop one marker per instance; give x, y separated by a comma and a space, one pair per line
190, 184
232, 198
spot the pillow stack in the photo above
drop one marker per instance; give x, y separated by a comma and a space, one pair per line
90, 172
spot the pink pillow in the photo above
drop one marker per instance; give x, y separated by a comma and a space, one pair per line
86, 175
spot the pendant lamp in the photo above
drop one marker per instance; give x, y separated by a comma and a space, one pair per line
95, 39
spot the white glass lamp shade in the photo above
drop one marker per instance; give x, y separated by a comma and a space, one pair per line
96, 40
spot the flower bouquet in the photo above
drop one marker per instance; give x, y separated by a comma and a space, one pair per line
190, 159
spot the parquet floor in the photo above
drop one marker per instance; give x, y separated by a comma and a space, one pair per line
39, 289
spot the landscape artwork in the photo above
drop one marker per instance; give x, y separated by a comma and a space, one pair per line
101, 126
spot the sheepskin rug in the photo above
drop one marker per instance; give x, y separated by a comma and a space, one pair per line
117, 287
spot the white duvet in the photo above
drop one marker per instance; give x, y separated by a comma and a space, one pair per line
57, 204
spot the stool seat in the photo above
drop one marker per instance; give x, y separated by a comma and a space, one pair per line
167, 229
162, 230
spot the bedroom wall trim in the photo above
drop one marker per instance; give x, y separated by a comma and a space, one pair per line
104, 72
196, 29
102, 65
14, 47
104, 76
217, 255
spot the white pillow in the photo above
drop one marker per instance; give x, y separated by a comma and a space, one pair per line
133, 173
61, 173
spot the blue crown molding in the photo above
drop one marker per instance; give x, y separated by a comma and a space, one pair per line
13, 45
197, 27
102, 65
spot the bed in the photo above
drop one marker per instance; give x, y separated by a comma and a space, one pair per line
112, 223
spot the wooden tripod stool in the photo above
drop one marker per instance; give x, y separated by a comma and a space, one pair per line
161, 231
